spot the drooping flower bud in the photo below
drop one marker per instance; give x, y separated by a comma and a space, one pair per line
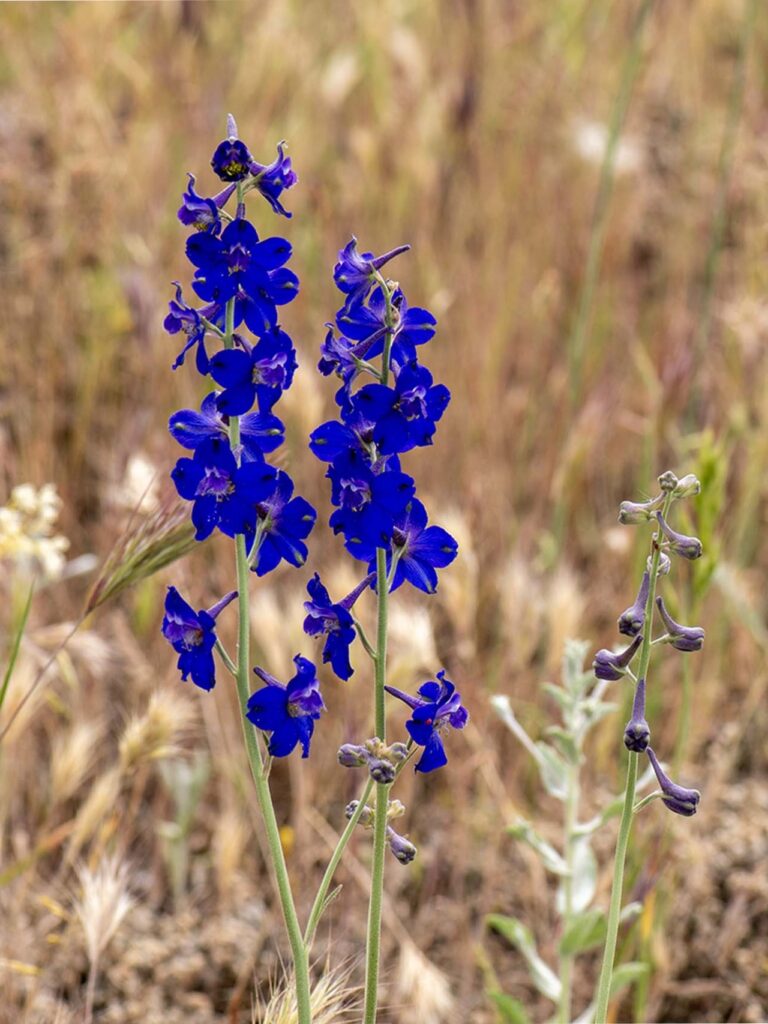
684, 638
679, 543
675, 798
352, 755
402, 848
637, 735
687, 487
612, 667
367, 817
632, 619
633, 513
668, 481
381, 771
665, 564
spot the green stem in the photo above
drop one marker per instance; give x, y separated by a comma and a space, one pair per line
319, 905
612, 930
373, 940
566, 960
264, 796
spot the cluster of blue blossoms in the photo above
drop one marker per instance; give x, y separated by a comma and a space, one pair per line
241, 280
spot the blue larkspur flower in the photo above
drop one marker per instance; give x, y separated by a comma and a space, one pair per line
282, 523
405, 416
238, 265
262, 373
203, 214
273, 179
355, 272
411, 325
260, 433
437, 707
231, 160
224, 494
193, 636
368, 503
184, 319
334, 621
419, 549
287, 712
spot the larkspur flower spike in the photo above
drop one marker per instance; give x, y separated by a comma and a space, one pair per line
675, 798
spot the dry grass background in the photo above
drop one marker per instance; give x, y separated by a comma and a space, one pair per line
472, 129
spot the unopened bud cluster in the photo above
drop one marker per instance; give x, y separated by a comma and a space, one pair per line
401, 847
381, 760
637, 622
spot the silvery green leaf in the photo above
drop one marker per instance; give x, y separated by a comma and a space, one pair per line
584, 881
550, 858
575, 679
595, 711
585, 931
511, 1010
553, 771
626, 974
563, 699
565, 743
515, 932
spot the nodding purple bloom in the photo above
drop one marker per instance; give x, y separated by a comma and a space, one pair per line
405, 416
612, 667
260, 433
368, 503
355, 271
675, 798
437, 707
289, 712
262, 373
685, 638
185, 319
633, 513
224, 494
193, 636
334, 621
402, 848
200, 213
281, 525
631, 620
637, 735
419, 549
273, 179
231, 160
412, 326
679, 543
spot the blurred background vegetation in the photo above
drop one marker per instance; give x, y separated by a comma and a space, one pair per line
600, 320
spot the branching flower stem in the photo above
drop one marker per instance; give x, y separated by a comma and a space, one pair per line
260, 778
612, 931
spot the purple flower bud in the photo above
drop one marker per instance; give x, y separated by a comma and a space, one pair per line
398, 752
679, 543
687, 487
351, 755
676, 798
631, 620
610, 666
402, 848
633, 513
203, 213
381, 770
637, 735
668, 481
685, 638
367, 816
665, 564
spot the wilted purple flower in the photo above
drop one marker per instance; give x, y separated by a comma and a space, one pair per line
632, 619
685, 638
288, 712
676, 798
193, 636
610, 666
200, 213
637, 735
679, 543
273, 179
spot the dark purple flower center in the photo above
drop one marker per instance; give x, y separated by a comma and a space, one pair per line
412, 404
217, 482
271, 372
355, 494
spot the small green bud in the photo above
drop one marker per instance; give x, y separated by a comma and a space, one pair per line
687, 487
